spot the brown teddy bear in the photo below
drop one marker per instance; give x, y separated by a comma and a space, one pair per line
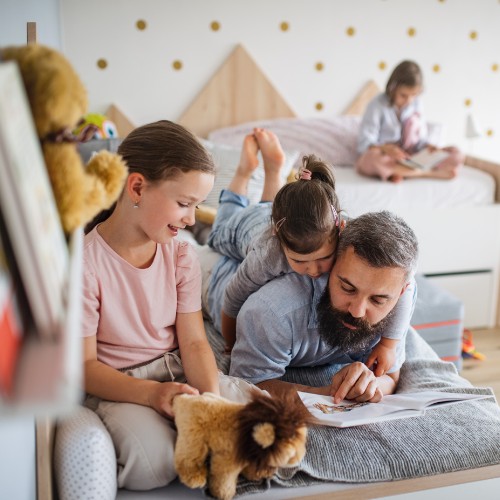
58, 101
253, 439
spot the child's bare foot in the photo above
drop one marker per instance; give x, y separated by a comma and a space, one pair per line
272, 152
248, 163
443, 173
248, 157
274, 160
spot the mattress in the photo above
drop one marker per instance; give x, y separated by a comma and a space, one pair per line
358, 194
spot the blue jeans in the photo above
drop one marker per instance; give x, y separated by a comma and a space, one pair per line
237, 223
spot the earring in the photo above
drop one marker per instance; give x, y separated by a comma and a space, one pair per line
136, 204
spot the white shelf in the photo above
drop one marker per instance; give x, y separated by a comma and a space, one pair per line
48, 378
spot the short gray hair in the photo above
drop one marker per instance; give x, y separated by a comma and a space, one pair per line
382, 239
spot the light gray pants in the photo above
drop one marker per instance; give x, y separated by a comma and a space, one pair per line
143, 439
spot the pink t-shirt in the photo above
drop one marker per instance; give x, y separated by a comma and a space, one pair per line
132, 311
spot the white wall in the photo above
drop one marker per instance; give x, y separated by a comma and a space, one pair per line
14, 14
140, 78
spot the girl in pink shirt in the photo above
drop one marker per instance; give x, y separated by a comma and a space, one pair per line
144, 338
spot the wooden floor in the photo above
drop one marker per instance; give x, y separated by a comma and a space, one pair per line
485, 373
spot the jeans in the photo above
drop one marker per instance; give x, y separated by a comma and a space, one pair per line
237, 223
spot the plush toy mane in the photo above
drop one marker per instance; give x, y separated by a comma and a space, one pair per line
283, 416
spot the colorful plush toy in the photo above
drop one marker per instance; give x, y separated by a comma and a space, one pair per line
104, 127
58, 101
254, 439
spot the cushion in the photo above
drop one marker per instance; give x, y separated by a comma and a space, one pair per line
438, 318
333, 139
227, 157
84, 458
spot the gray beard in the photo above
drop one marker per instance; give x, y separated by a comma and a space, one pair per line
336, 335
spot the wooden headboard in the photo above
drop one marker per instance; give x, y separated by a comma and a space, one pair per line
240, 92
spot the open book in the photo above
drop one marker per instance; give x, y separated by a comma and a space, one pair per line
425, 159
394, 406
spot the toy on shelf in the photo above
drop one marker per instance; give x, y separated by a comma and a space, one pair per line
104, 128
58, 101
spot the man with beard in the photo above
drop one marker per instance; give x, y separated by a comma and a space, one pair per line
296, 321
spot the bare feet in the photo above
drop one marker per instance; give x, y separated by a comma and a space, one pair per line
274, 160
248, 163
272, 152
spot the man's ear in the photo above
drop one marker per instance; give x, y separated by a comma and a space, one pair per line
403, 290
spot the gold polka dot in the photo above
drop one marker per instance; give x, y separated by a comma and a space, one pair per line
489, 132
177, 65
494, 67
102, 63
382, 65
284, 26
319, 106
468, 102
473, 35
412, 31
350, 31
215, 26
141, 24
319, 66
436, 68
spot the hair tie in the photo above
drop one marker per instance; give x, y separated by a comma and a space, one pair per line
336, 217
305, 175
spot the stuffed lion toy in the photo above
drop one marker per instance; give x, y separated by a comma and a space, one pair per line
58, 101
254, 439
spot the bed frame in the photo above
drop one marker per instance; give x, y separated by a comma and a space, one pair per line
460, 249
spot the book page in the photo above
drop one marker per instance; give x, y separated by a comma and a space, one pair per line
425, 159
351, 413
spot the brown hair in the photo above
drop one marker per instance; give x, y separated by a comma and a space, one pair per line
160, 151
302, 214
407, 73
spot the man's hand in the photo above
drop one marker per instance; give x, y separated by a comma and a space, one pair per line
357, 382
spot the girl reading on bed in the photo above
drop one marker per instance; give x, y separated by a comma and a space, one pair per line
295, 228
144, 338
393, 128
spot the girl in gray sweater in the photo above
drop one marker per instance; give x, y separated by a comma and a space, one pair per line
295, 228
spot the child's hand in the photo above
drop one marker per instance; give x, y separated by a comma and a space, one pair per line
394, 151
163, 394
381, 359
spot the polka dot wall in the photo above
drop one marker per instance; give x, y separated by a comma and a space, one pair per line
151, 59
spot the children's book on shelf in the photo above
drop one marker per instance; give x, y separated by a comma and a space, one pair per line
392, 407
28, 207
11, 329
425, 159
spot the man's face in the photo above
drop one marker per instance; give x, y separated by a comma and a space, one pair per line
366, 293
333, 329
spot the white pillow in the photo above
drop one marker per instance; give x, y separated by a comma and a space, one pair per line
333, 139
227, 158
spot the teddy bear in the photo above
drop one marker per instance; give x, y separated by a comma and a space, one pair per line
253, 439
58, 101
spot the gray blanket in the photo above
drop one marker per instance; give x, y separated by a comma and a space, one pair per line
447, 439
